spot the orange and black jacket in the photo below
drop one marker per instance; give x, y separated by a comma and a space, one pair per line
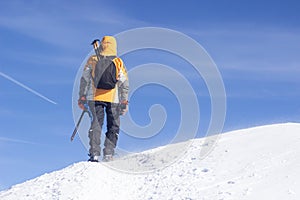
115, 95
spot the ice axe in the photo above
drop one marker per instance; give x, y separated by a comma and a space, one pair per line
77, 125
86, 110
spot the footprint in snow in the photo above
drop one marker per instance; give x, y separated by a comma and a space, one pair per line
204, 170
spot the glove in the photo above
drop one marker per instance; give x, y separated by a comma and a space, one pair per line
81, 102
123, 107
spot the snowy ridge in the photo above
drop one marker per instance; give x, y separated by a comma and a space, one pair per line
256, 163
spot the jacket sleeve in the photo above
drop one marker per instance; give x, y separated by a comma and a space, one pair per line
124, 89
86, 77
85, 81
123, 82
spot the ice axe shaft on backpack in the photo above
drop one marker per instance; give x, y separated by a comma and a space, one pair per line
96, 45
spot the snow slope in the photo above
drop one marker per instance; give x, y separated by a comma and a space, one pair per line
258, 163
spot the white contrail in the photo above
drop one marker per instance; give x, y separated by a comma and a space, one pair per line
5, 139
27, 88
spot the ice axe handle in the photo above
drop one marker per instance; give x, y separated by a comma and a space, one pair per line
77, 125
96, 46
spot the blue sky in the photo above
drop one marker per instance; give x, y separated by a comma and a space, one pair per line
255, 45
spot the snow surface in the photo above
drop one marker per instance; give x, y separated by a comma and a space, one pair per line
258, 163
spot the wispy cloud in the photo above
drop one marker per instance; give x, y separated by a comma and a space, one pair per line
27, 88
269, 52
59, 23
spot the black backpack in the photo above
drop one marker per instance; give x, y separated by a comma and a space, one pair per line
105, 73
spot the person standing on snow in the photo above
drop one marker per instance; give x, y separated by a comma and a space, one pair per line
104, 102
